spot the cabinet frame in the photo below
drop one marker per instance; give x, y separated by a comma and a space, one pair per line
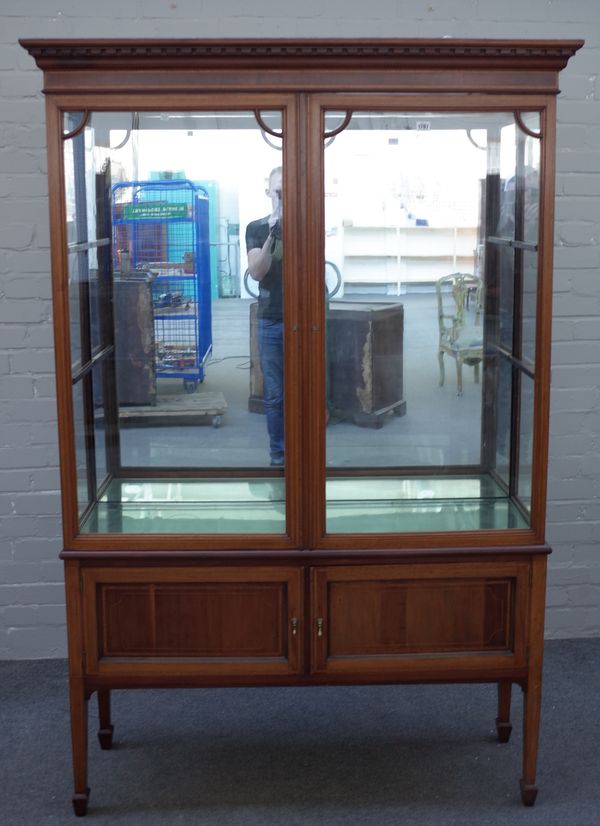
302, 78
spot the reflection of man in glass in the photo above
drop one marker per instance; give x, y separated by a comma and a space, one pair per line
529, 189
263, 242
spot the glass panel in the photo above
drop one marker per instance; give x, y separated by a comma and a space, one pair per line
99, 423
88, 237
81, 457
74, 309
531, 189
100, 263
191, 294
530, 265
408, 440
519, 220
505, 227
95, 306
526, 441
503, 419
506, 273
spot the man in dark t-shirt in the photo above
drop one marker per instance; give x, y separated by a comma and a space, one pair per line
265, 265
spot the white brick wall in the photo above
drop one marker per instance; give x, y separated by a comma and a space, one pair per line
31, 590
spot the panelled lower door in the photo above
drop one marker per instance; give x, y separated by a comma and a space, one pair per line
195, 621
402, 621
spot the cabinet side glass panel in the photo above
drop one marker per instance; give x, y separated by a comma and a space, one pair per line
73, 266
526, 442
503, 418
421, 329
99, 388
175, 228
530, 267
81, 454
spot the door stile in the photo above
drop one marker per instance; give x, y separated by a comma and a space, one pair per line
62, 329
293, 263
314, 361
544, 320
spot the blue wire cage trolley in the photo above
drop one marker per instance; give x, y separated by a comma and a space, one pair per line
161, 229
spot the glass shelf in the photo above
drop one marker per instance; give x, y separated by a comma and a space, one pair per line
217, 506
420, 504
257, 505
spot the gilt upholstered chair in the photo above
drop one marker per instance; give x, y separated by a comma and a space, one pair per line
460, 330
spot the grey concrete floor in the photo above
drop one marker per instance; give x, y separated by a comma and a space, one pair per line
358, 756
438, 428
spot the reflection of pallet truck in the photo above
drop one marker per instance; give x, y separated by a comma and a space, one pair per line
171, 299
177, 411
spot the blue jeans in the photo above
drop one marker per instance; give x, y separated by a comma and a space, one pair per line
270, 348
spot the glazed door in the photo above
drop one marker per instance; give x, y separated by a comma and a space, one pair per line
178, 250
302, 274
431, 350
188, 621
405, 621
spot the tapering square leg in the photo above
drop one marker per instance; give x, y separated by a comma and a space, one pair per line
105, 732
79, 744
531, 728
503, 724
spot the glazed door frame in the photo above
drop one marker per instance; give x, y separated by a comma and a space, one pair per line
304, 315
315, 242
294, 307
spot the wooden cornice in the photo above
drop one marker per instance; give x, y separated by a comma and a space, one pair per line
550, 55
147, 67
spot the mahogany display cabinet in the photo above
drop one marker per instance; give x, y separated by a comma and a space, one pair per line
409, 553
